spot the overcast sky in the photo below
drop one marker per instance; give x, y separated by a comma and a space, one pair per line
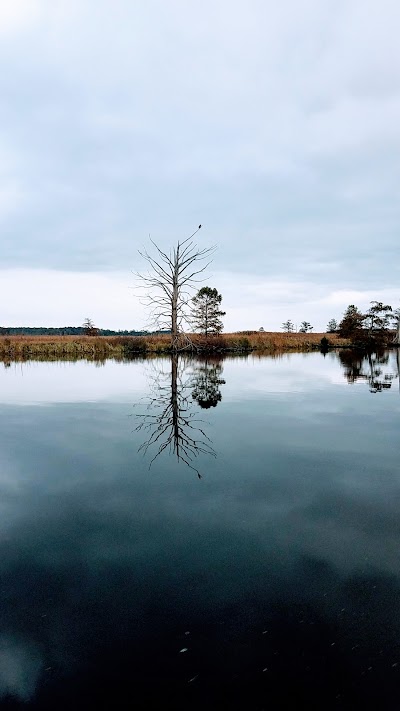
275, 125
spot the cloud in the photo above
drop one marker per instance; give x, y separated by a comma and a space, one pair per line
11, 199
273, 126
18, 15
64, 298
45, 297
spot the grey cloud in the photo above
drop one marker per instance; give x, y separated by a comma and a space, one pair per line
274, 127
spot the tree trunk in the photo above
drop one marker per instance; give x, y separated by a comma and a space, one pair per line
174, 311
174, 315
166, 287
398, 365
397, 337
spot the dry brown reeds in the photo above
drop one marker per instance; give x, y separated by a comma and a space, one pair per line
101, 347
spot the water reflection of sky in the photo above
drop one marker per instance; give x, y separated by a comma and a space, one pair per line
40, 383
283, 557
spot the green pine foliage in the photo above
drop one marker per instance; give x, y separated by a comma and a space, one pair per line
371, 329
305, 327
351, 323
206, 312
288, 326
332, 326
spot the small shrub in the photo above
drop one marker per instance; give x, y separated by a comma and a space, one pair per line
243, 344
136, 344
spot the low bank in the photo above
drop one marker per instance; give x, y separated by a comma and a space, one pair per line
16, 348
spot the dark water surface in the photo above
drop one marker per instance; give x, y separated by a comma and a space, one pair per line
255, 565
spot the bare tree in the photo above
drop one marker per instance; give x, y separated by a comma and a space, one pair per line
396, 319
89, 328
168, 284
398, 364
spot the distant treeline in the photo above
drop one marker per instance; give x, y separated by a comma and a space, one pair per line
68, 331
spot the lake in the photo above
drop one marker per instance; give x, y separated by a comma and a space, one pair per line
185, 533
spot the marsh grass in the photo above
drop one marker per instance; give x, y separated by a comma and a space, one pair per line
20, 347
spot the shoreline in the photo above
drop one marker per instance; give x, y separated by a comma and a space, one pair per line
20, 348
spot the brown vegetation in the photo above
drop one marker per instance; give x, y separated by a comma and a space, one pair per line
14, 348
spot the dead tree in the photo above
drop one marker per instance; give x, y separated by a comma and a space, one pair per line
396, 318
167, 287
89, 329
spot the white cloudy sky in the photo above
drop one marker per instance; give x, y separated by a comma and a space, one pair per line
275, 125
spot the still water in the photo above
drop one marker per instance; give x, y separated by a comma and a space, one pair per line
200, 533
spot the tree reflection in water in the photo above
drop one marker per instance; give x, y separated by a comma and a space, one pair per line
170, 418
206, 382
374, 368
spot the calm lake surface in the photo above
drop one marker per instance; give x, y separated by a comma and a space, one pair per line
254, 565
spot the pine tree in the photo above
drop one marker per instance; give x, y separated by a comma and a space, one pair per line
351, 323
377, 322
305, 327
288, 326
332, 326
206, 313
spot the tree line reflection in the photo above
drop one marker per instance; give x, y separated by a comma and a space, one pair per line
170, 419
378, 370
180, 386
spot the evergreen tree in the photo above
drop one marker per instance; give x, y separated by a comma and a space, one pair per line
206, 313
377, 322
372, 329
288, 326
351, 323
305, 327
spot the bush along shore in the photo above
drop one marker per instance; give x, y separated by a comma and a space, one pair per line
19, 348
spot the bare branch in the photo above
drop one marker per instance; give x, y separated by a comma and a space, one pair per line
169, 282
